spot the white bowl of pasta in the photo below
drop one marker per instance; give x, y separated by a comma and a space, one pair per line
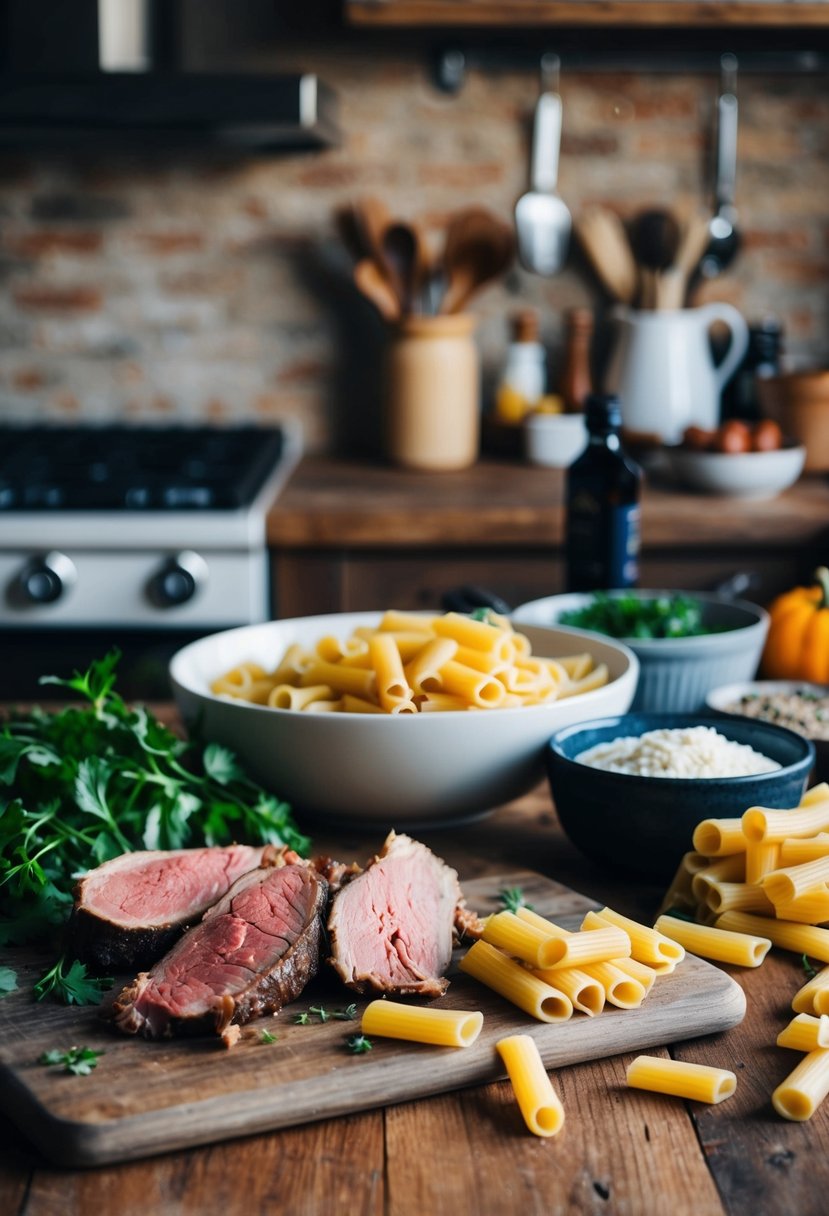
450, 747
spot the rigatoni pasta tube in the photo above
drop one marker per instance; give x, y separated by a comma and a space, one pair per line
515, 983
802, 939
813, 997
641, 972
420, 1024
793, 881
475, 686
647, 946
592, 945
794, 851
698, 1082
621, 989
285, 696
718, 837
538, 1102
741, 949
811, 908
762, 823
392, 686
805, 1032
761, 859
548, 927
818, 793
477, 634
731, 868
355, 680
586, 993
513, 935
799, 1096
739, 896
423, 671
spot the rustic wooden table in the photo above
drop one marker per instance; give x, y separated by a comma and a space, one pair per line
468, 1152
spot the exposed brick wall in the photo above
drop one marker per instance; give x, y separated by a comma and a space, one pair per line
200, 286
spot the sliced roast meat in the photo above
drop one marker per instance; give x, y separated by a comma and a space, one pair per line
254, 951
391, 926
130, 910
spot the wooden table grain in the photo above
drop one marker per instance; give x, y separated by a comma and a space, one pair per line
468, 1152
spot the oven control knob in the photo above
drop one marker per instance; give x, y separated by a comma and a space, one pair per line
178, 580
45, 578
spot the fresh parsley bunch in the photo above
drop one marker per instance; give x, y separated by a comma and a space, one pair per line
91, 781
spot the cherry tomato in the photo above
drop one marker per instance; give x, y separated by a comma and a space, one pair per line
767, 436
698, 438
733, 437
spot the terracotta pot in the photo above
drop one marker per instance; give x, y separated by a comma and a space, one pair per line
799, 403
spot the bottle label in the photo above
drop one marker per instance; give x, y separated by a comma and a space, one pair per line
603, 544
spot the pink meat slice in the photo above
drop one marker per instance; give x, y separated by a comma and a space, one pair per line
391, 927
254, 951
130, 910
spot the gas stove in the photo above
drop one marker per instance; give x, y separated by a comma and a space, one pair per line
142, 527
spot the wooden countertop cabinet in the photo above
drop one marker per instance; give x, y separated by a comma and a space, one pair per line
349, 536
699, 14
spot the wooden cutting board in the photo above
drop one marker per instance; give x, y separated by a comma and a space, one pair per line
147, 1098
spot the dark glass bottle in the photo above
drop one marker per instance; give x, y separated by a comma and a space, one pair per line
602, 501
762, 359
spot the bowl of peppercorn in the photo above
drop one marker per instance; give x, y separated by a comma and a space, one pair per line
796, 704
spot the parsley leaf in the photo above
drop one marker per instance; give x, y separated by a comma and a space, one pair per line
265, 1036
76, 1060
301, 1019
809, 970
98, 778
358, 1044
345, 1015
512, 898
321, 1012
71, 985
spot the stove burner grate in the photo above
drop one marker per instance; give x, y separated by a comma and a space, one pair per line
134, 468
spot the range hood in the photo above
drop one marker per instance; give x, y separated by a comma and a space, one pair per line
109, 80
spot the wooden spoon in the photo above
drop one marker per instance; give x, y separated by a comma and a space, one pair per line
479, 247
603, 237
374, 285
405, 256
673, 284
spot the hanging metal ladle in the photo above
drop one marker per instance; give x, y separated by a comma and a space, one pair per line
543, 222
724, 237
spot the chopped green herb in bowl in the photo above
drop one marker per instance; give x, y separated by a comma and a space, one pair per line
631, 616
686, 642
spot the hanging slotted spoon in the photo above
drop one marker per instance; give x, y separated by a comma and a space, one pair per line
542, 220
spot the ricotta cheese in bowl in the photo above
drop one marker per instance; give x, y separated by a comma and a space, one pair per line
691, 751
630, 790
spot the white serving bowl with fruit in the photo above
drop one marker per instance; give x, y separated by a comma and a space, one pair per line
402, 770
737, 460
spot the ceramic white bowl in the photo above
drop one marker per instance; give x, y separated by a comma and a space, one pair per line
676, 674
403, 771
554, 440
738, 475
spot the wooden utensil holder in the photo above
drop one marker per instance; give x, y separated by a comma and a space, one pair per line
433, 392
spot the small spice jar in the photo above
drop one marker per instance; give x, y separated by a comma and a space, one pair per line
433, 393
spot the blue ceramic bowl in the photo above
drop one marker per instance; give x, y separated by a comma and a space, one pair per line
643, 825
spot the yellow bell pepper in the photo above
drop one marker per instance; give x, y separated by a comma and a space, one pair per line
797, 646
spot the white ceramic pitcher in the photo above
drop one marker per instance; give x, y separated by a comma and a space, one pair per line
663, 371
